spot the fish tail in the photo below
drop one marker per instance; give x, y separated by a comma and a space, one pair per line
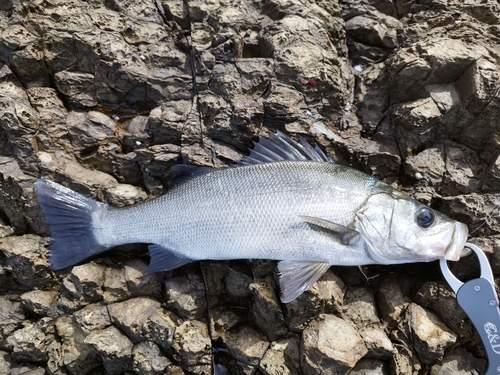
69, 216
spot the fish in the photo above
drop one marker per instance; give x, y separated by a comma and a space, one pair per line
285, 201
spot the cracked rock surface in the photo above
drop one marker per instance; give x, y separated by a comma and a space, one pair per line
105, 96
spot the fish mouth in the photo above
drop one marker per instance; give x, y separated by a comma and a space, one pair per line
448, 244
456, 247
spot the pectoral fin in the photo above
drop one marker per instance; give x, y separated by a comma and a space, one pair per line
344, 234
163, 259
297, 277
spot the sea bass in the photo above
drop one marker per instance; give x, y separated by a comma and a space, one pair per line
285, 201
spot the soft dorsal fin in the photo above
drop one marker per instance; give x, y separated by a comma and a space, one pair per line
280, 147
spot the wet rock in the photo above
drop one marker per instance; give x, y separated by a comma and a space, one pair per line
323, 353
430, 336
130, 315
282, 357
114, 348
148, 359
266, 309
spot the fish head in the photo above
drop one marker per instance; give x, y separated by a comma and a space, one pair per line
398, 229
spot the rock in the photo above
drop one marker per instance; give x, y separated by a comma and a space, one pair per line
266, 309
83, 285
93, 317
323, 353
404, 361
148, 359
130, 315
114, 348
374, 28
77, 356
246, 344
359, 306
191, 345
326, 294
186, 296
160, 327
368, 366
30, 343
392, 301
459, 362
282, 357
238, 284
40, 302
377, 342
430, 336
11, 316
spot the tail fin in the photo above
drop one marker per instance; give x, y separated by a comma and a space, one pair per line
69, 217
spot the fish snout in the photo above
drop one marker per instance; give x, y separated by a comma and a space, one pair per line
456, 247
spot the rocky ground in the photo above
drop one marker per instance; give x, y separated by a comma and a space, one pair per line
104, 96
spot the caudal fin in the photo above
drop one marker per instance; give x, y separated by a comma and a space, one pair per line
69, 217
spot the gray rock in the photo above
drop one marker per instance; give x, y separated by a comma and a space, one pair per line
11, 316
404, 361
40, 302
323, 353
93, 317
83, 286
459, 362
130, 315
238, 284
368, 366
392, 301
114, 348
160, 328
377, 342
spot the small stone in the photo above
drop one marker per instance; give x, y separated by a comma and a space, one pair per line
430, 336
359, 306
130, 315
192, 344
238, 284
139, 282
148, 360
114, 348
84, 284
323, 351
459, 362
186, 296
282, 357
404, 361
11, 316
115, 285
392, 301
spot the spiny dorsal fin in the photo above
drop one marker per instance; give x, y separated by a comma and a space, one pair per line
280, 147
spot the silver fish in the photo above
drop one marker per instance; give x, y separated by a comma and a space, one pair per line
285, 201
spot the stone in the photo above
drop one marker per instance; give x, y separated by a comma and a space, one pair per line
323, 353
160, 327
130, 315
282, 357
11, 316
359, 306
83, 285
246, 344
40, 302
31, 342
148, 359
459, 362
191, 344
430, 336
377, 342
369, 366
266, 309
186, 296
114, 348
392, 301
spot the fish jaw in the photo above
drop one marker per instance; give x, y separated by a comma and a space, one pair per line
447, 244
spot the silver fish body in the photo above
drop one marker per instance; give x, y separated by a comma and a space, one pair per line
301, 209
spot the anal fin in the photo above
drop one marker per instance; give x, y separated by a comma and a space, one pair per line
163, 259
298, 276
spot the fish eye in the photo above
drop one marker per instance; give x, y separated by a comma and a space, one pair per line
425, 217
